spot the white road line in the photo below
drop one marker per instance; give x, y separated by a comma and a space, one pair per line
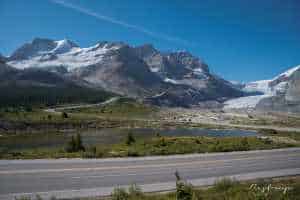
117, 175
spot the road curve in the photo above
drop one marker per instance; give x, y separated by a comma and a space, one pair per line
61, 108
67, 178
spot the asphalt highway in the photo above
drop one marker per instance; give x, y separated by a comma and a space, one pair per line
67, 178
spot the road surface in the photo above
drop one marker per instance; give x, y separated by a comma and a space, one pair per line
61, 108
67, 178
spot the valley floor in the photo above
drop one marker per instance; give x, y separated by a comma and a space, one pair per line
46, 133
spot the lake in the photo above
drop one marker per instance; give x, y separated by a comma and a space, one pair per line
110, 136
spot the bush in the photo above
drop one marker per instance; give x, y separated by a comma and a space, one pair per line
49, 117
132, 153
119, 194
78, 143
64, 115
184, 191
269, 131
224, 184
130, 139
245, 144
75, 144
70, 147
134, 192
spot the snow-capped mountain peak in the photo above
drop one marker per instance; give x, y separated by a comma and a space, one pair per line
45, 53
288, 73
63, 46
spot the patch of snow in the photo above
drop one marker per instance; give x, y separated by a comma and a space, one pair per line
259, 86
281, 87
73, 58
198, 71
288, 73
235, 82
168, 80
62, 46
159, 95
244, 102
154, 69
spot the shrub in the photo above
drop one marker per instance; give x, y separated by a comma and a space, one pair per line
132, 153
70, 147
135, 191
49, 117
245, 144
157, 134
75, 144
119, 194
162, 142
78, 143
184, 191
64, 115
130, 139
224, 184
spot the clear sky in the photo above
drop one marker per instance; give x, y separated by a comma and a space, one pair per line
241, 40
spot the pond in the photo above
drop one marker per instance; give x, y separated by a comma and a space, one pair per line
110, 136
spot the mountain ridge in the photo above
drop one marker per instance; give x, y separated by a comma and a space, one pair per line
139, 72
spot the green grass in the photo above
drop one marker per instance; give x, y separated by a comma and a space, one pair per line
283, 121
292, 135
123, 107
40, 116
152, 146
185, 145
224, 189
122, 113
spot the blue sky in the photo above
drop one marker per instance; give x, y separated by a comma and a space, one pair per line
241, 40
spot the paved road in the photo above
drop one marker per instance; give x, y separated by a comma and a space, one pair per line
91, 177
59, 109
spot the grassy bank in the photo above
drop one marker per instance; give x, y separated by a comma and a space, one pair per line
273, 133
224, 189
185, 145
158, 145
123, 107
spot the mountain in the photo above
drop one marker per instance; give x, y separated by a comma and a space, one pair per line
281, 93
41, 46
172, 79
34, 86
2, 58
6, 71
